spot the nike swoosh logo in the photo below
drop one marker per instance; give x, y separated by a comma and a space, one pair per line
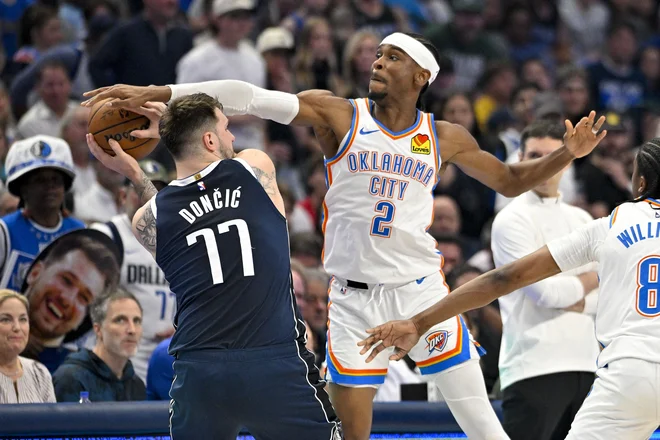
367, 132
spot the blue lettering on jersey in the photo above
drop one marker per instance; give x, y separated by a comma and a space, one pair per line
26, 241
373, 161
639, 232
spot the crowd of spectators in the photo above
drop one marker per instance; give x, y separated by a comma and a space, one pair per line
504, 64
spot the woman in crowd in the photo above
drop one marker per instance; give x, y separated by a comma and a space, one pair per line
22, 380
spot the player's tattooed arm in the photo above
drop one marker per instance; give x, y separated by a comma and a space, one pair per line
144, 225
145, 188
267, 180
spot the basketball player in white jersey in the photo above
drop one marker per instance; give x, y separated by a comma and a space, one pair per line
383, 156
623, 403
140, 274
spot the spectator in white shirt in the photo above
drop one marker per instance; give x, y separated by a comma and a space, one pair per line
230, 56
548, 352
45, 116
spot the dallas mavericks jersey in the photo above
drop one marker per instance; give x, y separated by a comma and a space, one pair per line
23, 240
141, 276
224, 248
379, 203
627, 247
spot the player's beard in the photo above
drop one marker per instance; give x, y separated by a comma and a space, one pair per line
377, 96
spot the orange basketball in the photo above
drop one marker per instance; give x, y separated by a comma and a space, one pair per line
107, 123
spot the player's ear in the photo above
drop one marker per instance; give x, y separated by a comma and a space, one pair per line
422, 77
209, 141
642, 185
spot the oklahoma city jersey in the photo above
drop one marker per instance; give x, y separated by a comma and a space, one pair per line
627, 246
380, 201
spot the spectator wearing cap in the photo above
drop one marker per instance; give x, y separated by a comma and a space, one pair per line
75, 57
45, 116
466, 42
39, 172
605, 175
230, 55
616, 82
140, 275
74, 130
143, 51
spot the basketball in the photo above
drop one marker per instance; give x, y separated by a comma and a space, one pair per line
107, 123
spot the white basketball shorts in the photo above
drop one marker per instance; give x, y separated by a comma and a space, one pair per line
352, 311
623, 403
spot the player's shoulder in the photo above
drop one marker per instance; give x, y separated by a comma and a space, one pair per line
256, 158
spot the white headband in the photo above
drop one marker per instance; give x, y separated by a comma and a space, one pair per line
416, 50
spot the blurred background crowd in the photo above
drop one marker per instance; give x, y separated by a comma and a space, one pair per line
504, 64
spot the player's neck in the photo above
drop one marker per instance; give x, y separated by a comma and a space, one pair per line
192, 166
116, 364
394, 115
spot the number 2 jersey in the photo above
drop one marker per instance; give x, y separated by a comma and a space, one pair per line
627, 247
224, 248
379, 203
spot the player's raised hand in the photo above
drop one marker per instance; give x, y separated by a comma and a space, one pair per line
153, 111
125, 96
583, 138
402, 335
121, 162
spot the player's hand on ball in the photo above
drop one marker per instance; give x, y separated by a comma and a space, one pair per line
121, 162
402, 335
153, 111
583, 138
125, 96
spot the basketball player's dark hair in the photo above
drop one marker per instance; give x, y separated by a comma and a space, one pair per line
98, 253
98, 309
427, 44
185, 117
648, 166
540, 129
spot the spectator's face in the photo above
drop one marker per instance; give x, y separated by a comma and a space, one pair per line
8, 203
317, 305
50, 35
320, 41
502, 85
458, 110
468, 25
574, 96
60, 292
536, 73
446, 218
277, 61
452, 256
540, 147
14, 327
364, 55
615, 144
650, 63
54, 88
523, 105
121, 330
237, 24
622, 46
74, 134
43, 189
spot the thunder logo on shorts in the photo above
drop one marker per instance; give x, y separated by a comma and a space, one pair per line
437, 340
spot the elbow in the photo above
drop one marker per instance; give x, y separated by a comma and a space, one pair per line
511, 189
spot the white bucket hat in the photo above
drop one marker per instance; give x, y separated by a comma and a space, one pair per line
36, 152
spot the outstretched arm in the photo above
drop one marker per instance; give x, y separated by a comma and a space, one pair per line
510, 180
574, 250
